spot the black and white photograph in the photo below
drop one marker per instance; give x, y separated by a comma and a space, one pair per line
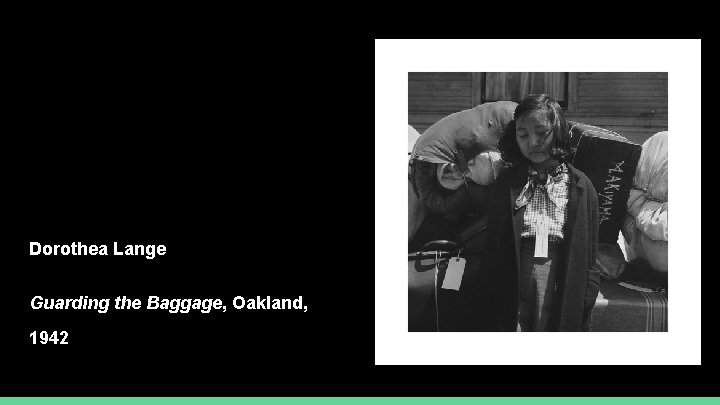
538, 201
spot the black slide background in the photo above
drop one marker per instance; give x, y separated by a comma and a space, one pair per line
235, 156
252, 161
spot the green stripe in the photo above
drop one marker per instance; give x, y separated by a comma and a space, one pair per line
362, 401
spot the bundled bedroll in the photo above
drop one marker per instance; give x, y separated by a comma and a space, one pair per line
646, 225
461, 147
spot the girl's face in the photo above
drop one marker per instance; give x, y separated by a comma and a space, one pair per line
533, 134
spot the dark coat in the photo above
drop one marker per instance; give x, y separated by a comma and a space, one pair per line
580, 283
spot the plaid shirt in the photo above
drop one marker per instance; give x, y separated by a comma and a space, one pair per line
545, 197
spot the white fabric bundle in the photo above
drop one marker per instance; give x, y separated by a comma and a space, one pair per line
413, 136
639, 245
647, 202
483, 169
645, 227
416, 211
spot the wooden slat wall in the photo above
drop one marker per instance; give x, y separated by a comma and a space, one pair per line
432, 96
633, 104
515, 86
636, 129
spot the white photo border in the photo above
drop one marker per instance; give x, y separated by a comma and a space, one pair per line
394, 59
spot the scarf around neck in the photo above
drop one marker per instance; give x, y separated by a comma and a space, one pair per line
547, 181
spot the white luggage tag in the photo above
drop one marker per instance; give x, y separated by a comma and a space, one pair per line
541, 236
454, 273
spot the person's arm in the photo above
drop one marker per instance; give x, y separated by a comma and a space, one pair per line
593, 276
442, 201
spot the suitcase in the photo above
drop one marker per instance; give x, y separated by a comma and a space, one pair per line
622, 309
609, 161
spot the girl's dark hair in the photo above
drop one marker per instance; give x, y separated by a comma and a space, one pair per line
560, 144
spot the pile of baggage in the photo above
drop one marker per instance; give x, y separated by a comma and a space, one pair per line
631, 184
633, 294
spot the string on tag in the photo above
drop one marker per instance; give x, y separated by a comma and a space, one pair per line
437, 310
